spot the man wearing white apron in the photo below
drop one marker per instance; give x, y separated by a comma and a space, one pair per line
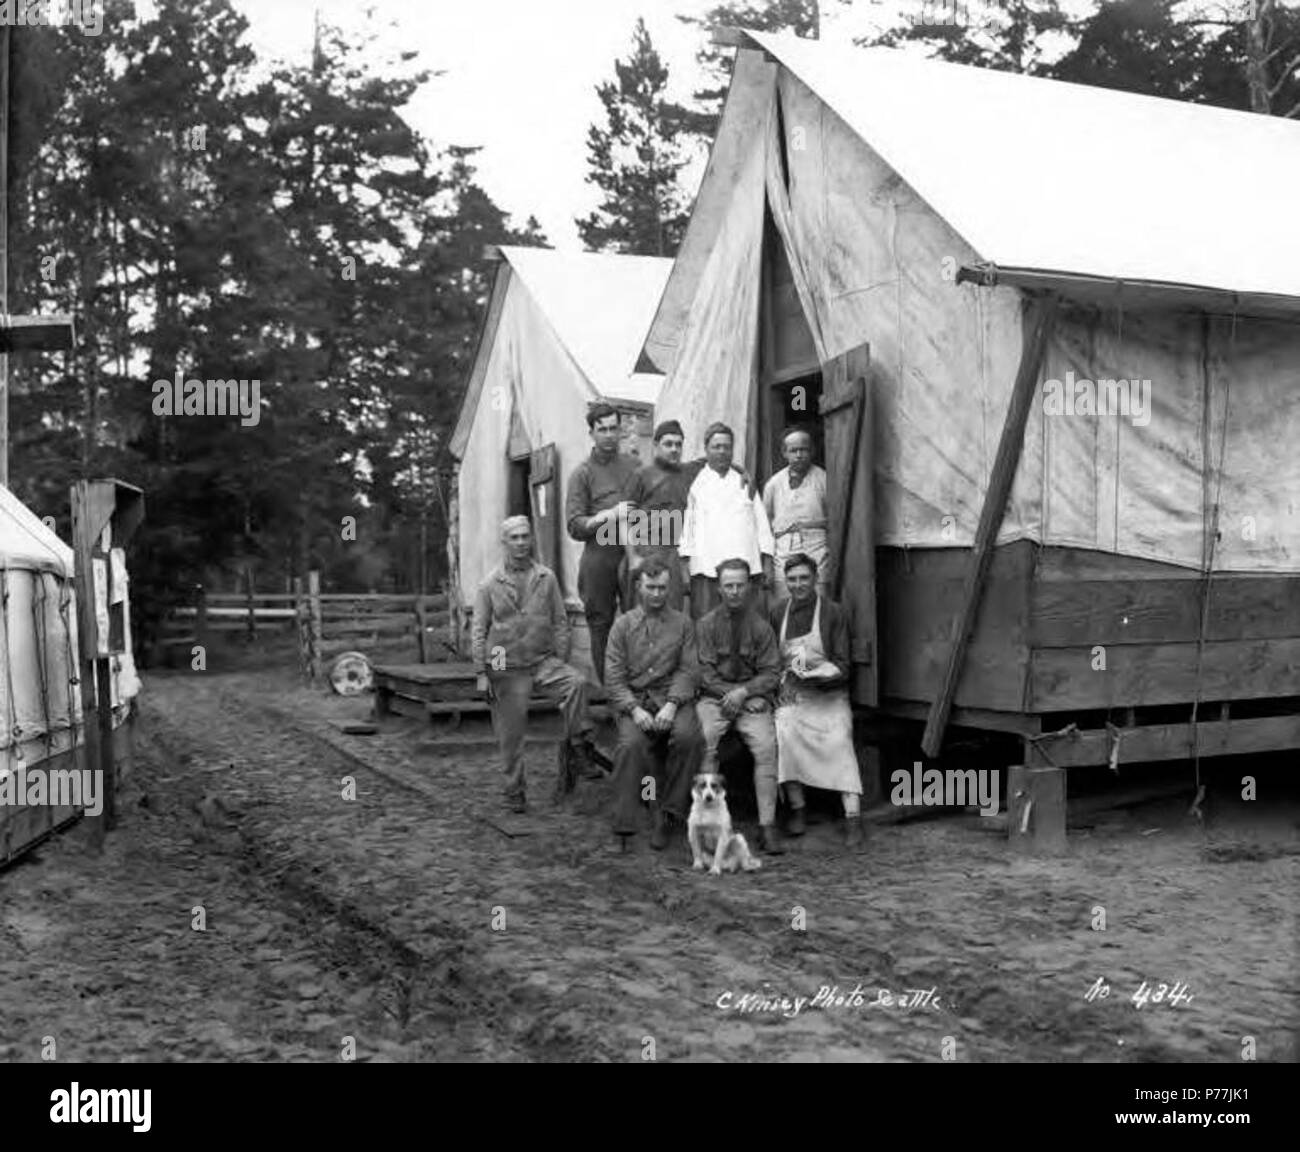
814, 722
795, 502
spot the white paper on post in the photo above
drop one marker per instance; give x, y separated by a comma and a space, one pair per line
117, 570
100, 569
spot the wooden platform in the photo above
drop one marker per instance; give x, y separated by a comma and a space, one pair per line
429, 691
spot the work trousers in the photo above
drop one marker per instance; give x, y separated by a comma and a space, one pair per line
758, 730
557, 681
670, 759
600, 592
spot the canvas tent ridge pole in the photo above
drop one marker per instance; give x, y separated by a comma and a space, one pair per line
994, 508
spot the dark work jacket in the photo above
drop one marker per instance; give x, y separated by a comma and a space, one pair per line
756, 663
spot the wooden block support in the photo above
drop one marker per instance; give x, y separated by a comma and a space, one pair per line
1036, 810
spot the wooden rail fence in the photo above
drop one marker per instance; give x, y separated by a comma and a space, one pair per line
325, 623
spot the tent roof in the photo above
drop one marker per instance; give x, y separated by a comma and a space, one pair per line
25, 541
1067, 178
598, 305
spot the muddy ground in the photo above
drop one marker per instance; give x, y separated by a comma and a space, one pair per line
245, 909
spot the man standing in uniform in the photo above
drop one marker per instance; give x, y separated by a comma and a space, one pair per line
594, 510
795, 501
724, 519
657, 492
520, 640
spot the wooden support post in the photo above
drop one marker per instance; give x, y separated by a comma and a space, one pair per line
99, 749
1036, 809
313, 596
995, 504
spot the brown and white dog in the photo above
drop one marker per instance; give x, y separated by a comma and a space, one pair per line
708, 828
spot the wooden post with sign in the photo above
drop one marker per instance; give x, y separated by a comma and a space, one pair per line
104, 515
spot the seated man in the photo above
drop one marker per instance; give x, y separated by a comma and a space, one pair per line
814, 721
740, 667
650, 675
520, 640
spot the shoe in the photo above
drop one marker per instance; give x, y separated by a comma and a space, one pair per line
659, 837
853, 838
767, 841
516, 804
794, 826
581, 762
595, 755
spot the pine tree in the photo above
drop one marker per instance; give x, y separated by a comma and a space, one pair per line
636, 158
802, 17
1006, 35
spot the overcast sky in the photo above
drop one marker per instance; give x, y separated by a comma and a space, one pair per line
518, 77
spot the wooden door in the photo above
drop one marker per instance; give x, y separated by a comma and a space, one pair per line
848, 429
544, 488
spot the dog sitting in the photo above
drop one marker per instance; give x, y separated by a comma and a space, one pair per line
708, 828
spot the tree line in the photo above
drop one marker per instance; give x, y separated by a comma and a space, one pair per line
198, 210
1242, 54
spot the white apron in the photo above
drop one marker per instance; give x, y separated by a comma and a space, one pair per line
814, 730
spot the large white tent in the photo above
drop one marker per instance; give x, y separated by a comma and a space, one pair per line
893, 179
563, 330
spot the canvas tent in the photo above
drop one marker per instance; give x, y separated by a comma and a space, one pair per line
40, 703
563, 331
871, 216
886, 174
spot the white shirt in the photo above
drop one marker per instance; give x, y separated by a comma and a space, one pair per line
724, 522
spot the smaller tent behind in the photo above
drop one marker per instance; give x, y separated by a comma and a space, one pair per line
562, 332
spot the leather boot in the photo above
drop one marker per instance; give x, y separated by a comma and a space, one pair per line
853, 838
582, 761
767, 841
794, 826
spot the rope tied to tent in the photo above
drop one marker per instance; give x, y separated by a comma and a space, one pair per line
1210, 533
1039, 741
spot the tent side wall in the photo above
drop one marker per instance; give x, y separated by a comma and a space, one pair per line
534, 394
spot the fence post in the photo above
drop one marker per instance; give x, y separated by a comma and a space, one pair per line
313, 593
252, 606
303, 625
201, 617
421, 625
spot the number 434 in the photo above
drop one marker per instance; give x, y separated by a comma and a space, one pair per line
1163, 994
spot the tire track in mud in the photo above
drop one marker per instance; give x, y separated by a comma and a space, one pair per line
701, 922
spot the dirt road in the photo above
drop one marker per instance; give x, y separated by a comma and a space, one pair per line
280, 891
